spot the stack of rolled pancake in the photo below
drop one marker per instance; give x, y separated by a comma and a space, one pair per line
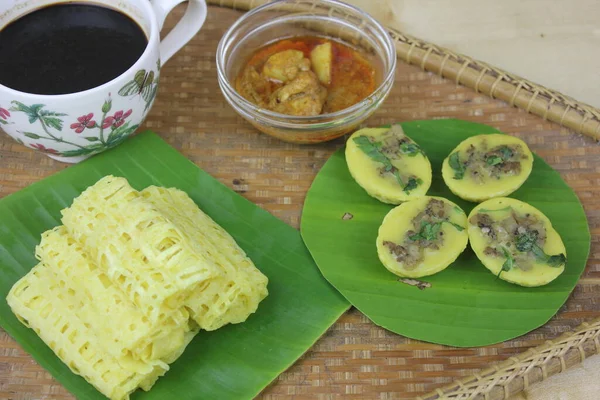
127, 281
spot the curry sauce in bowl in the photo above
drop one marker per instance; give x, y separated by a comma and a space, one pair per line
306, 71
307, 76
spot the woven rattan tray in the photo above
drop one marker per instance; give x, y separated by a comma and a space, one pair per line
357, 359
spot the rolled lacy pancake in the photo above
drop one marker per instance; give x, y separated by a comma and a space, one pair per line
120, 326
516, 242
486, 166
113, 223
422, 236
234, 295
129, 279
389, 165
176, 255
41, 302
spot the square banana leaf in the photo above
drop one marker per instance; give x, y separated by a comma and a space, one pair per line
234, 362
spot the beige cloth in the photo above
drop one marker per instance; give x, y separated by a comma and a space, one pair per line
554, 43
550, 42
581, 382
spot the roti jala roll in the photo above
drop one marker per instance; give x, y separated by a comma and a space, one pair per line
126, 283
233, 296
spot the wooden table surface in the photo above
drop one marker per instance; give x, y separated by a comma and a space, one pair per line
355, 359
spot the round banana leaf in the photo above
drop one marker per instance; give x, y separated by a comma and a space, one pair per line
464, 305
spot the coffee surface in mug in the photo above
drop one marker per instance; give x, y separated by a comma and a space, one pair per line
68, 48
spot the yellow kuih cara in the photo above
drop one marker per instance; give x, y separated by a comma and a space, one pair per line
127, 282
388, 164
516, 242
486, 166
422, 237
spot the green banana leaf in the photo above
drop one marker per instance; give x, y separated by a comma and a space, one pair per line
466, 305
235, 362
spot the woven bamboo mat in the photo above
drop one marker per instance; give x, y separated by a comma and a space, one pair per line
355, 359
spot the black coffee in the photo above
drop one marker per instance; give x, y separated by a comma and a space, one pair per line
67, 48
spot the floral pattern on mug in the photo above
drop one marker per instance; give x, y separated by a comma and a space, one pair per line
83, 122
110, 131
43, 149
37, 113
4, 115
77, 130
117, 119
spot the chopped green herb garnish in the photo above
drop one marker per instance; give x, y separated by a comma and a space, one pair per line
457, 226
494, 160
485, 210
412, 184
456, 165
505, 154
410, 149
528, 242
557, 260
537, 251
509, 263
430, 230
373, 151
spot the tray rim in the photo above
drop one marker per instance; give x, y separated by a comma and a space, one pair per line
585, 340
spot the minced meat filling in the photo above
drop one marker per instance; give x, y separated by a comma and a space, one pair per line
482, 162
391, 148
425, 234
392, 141
519, 238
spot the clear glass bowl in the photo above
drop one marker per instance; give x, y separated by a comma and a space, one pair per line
289, 18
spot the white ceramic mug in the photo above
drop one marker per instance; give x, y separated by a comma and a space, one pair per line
72, 127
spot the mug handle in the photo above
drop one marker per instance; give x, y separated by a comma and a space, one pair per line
186, 28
